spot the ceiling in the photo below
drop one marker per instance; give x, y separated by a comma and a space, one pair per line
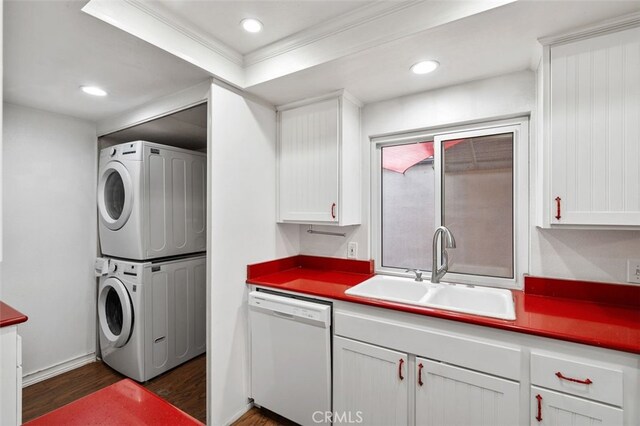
307, 47
495, 42
220, 20
51, 48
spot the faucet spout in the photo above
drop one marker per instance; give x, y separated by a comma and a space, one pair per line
438, 271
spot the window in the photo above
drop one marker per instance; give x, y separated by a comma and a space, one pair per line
472, 181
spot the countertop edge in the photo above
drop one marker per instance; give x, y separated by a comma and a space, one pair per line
453, 316
10, 316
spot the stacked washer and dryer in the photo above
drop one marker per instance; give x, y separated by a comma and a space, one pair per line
151, 296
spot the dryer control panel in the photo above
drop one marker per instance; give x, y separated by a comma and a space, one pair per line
124, 151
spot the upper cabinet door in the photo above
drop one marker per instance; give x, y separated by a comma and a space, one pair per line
594, 131
319, 162
309, 162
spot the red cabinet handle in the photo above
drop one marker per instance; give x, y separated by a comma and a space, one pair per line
400, 369
558, 199
420, 367
539, 416
584, 382
333, 210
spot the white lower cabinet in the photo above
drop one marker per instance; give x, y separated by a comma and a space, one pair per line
449, 395
401, 369
550, 408
370, 384
10, 376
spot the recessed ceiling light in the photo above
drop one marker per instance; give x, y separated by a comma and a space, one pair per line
93, 90
251, 25
425, 67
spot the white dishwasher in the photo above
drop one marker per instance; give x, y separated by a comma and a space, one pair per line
291, 356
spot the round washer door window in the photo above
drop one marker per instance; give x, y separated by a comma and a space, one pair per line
115, 196
115, 312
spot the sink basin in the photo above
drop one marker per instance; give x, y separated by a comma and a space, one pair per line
484, 301
394, 289
489, 302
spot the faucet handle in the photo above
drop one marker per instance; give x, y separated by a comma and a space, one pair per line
418, 273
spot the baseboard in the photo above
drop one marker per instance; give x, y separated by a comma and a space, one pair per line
57, 369
239, 414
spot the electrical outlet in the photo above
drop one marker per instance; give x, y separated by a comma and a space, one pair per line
352, 250
633, 271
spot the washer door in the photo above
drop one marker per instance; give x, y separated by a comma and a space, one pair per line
115, 195
115, 312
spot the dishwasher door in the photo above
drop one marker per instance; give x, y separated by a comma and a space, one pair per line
291, 356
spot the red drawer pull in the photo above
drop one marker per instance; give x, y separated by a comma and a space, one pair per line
558, 199
539, 416
420, 367
333, 210
584, 382
400, 369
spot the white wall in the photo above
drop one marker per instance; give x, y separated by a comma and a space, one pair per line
50, 234
574, 254
242, 230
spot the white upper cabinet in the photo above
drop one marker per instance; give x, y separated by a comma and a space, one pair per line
591, 151
319, 161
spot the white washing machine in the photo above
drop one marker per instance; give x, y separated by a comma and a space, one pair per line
152, 316
151, 201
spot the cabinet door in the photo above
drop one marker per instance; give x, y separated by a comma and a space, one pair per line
550, 408
595, 131
370, 384
308, 163
448, 395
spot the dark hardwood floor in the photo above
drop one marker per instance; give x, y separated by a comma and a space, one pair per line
261, 417
184, 387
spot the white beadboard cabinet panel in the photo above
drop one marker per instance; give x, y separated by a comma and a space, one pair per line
10, 376
308, 162
370, 383
594, 131
451, 395
550, 408
604, 383
319, 161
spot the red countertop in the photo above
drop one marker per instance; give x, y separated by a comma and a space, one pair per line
596, 314
123, 403
9, 316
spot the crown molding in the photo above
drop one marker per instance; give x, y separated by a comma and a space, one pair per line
608, 26
177, 24
354, 18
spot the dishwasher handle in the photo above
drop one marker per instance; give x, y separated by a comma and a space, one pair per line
289, 308
283, 315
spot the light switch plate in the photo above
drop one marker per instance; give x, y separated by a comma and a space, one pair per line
633, 271
352, 250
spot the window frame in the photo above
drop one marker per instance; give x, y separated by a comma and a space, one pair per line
519, 126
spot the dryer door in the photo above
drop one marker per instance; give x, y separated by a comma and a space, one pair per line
115, 312
115, 195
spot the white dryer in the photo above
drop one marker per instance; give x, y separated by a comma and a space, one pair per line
151, 201
152, 316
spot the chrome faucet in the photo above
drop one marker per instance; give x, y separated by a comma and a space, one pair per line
438, 272
418, 273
